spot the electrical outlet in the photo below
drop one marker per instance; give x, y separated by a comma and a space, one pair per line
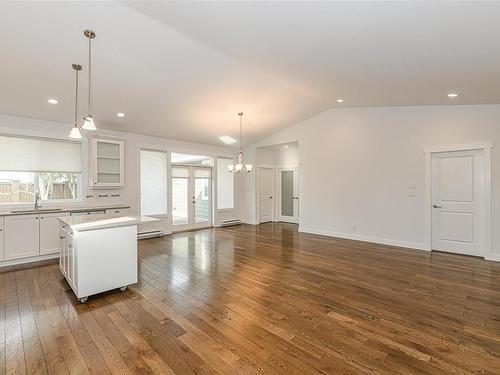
412, 190
115, 195
103, 195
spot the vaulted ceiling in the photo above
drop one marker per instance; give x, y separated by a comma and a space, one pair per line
184, 70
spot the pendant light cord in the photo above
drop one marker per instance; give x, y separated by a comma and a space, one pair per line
241, 130
76, 99
90, 76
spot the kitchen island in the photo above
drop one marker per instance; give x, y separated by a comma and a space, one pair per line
99, 252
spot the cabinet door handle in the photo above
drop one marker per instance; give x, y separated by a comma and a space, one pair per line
61, 237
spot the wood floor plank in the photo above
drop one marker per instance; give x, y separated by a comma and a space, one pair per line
260, 300
14, 349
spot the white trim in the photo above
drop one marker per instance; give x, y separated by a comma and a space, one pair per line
37, 258
486, 148
492, 257
357, 237
458, 147
250, 222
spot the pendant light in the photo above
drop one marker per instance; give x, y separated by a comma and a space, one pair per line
239, 167
89, 120
75, 132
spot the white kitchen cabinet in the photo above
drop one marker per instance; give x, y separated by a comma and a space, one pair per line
62, 249
100, 259
108, 163
49, 232
21, 238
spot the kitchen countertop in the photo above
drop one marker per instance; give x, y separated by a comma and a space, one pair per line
94, 222
53, 210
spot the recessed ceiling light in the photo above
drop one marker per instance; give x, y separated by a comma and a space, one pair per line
340, 100
120, 114
285, 146
227, 139
53, 101
452, 95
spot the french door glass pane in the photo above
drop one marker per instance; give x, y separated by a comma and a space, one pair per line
202, 200
180, 207
287, 193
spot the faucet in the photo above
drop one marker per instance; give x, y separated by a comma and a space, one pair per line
37, 198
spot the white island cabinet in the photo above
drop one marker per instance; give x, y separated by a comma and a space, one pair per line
99, 252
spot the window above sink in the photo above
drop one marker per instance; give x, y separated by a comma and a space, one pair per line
20, 187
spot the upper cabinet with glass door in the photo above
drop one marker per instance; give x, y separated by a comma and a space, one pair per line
108, 163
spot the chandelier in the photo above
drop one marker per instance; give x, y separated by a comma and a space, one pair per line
240, 166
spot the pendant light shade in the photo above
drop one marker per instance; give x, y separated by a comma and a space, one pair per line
240, 166
89, 124
75, 131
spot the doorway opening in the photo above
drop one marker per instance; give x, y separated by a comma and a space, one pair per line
277, 189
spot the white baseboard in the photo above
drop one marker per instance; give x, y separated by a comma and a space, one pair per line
15, 262
493, 257
251, 222
358, 237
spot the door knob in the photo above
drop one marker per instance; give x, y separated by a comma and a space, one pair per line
270, 197
436, 206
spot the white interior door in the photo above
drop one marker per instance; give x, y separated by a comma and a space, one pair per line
457, 196
289, 195
266, 194
191, 197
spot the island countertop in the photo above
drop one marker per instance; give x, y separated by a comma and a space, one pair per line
95, 222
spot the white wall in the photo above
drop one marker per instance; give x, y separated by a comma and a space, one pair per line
356, 165
277, 156
129, 195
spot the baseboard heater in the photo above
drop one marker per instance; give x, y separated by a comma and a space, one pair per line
150, 234
228, 223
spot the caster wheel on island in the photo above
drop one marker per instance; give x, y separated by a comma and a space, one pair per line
84, 299
123, 288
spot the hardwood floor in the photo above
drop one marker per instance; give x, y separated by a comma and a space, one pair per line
260, 300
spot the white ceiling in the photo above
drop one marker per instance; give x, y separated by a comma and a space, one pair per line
184, 70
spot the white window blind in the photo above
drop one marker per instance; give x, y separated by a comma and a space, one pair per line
37, 154
225, 182
181, 172
153, 182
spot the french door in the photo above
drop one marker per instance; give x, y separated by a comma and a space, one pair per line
289, 195
191, 197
